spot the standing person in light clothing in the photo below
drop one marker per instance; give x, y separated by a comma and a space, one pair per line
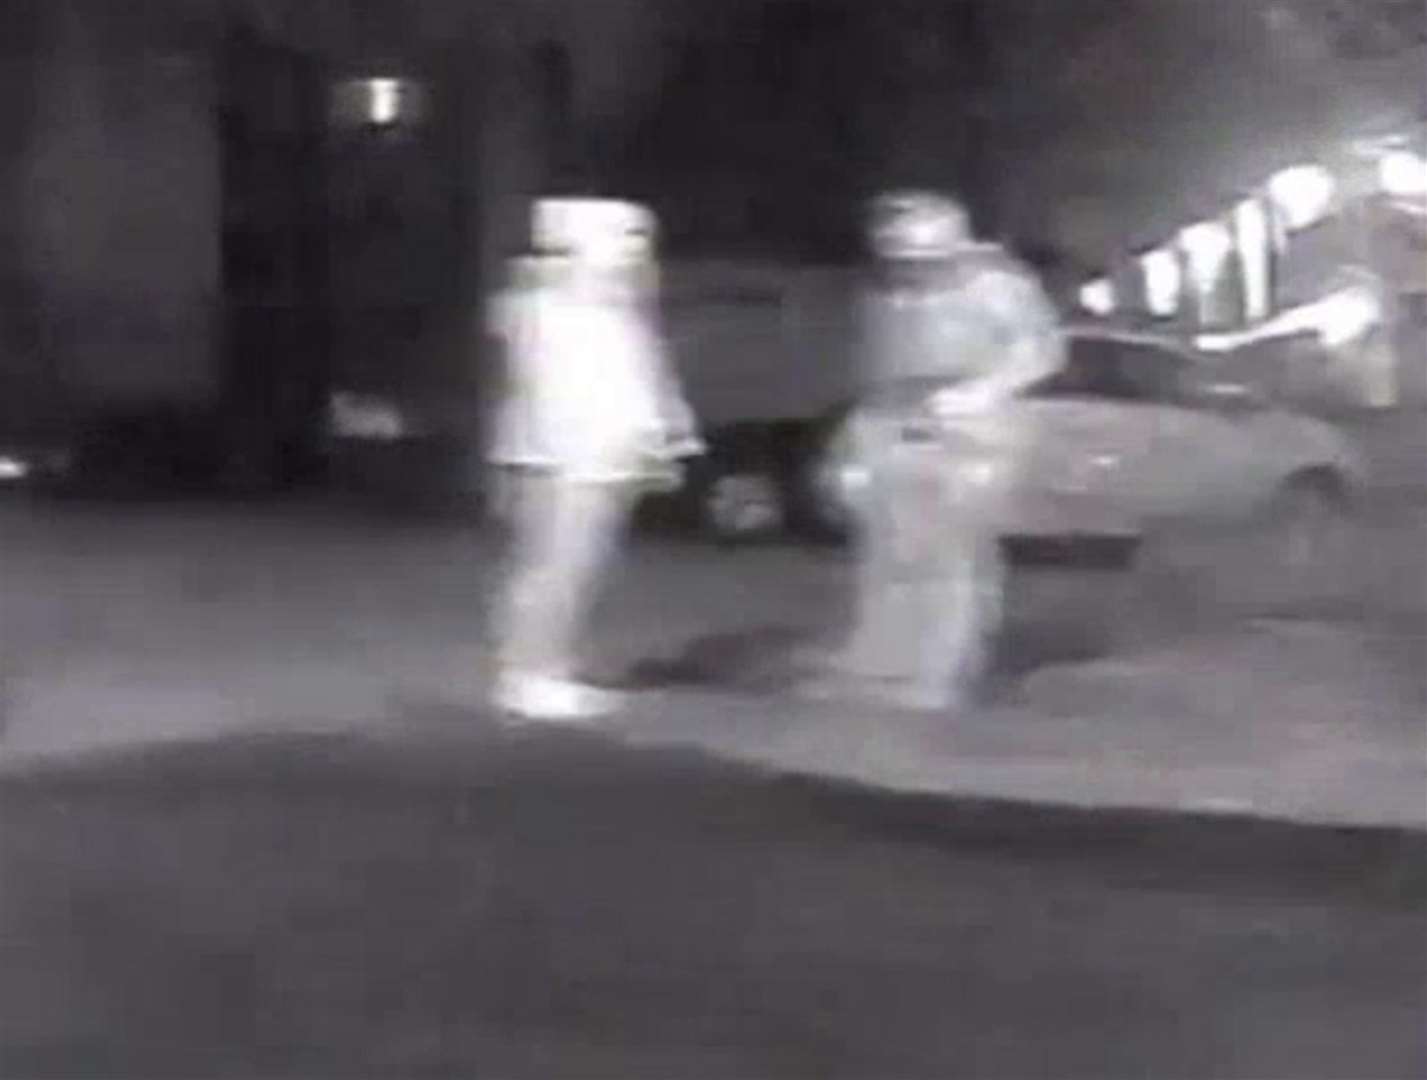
592, 416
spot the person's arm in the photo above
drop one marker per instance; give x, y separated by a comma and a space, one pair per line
682, 434
1026, 323
1300, 320
1338, 317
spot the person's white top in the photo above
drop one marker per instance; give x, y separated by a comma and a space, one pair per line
585, 390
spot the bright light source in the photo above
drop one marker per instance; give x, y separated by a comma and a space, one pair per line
1254, 237
1303, 194
1346, 316
1206, 243
383, 100
13, 469
1162, 281
1098, 296
1403, 174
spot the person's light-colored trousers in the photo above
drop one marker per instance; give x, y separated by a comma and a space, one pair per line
930, 578
563, 534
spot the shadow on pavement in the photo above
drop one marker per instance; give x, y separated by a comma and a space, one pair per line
770, 659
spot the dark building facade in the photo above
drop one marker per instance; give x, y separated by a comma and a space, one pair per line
200, 208
202, 215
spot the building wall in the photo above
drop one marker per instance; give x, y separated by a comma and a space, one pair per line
118, 201
112, 180
23, 381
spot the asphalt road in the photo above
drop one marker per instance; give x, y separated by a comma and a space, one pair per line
468, 903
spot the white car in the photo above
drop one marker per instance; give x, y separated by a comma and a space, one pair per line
1138, 433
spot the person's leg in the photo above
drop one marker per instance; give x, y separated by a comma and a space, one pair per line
860, 652
867, 651
522, 607
965, 584
880, 658
588, 523
891, 529
963, 605
565, 533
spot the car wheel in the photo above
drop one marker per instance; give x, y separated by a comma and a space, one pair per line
744, 505
827, 484
1300, 550
829, 515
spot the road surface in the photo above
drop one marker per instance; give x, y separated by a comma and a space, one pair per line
462, 902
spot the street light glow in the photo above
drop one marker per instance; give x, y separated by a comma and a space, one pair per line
1162, 281
1206, 243
1403, 174
1254, 238
1098, 296
383, 100
1303, 194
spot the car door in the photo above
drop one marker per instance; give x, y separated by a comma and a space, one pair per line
1095, 457
1206, 462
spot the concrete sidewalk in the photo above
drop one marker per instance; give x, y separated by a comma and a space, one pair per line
133, 627
1277, 720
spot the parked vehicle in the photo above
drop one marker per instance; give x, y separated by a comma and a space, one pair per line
1136, 436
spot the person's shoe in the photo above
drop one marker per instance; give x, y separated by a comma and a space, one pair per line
840, 688
894, 694
915, 699
543, 699
822, 682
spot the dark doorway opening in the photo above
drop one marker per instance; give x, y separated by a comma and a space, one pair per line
274, 259
560, 139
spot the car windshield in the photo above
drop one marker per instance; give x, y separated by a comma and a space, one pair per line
1116, 370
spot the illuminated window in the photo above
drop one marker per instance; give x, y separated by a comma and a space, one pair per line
1302, 194
1207, 244
1252, 233
1098, 296
1163, 281
1403, 174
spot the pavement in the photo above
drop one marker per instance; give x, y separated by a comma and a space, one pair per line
255, 822
129, 625
545, 905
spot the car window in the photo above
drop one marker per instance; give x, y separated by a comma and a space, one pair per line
1109, 370
1157, 373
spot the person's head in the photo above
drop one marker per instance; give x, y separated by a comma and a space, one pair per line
608, 243
912, 232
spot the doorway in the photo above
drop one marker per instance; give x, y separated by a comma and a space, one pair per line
275, 339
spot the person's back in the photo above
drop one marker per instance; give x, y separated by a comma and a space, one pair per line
953, 325
583, 381
954, 330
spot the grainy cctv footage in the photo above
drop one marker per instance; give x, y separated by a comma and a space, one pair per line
713, 539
